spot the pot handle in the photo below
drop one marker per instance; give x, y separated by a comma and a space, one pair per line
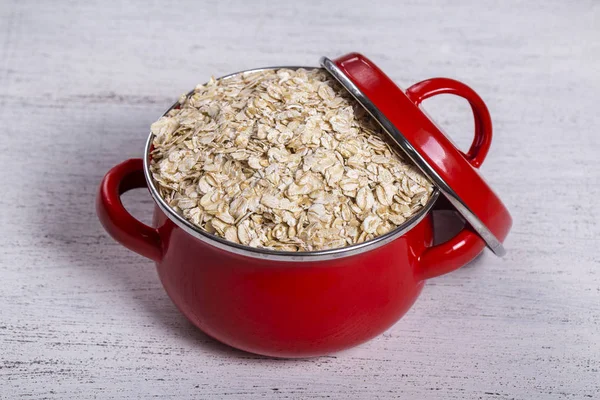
483, 122
117, 221
451, 255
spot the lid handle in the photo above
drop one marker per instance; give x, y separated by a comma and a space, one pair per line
483, 122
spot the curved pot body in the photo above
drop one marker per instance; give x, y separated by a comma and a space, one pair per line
289, 309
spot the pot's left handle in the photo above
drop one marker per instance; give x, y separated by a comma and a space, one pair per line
117, 221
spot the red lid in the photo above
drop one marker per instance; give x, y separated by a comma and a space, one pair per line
452, 171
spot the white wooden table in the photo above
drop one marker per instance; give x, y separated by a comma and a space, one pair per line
80, 82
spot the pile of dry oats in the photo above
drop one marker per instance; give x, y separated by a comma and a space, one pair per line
285, 160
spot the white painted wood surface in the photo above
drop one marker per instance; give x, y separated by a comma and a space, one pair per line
80, 82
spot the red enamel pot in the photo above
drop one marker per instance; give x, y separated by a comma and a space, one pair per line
286, 304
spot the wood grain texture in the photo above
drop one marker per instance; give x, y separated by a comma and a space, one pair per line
83, 318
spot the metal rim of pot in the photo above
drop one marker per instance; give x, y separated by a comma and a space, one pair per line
267, 254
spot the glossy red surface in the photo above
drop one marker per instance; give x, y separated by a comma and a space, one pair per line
117, 221
459, 170
277, 308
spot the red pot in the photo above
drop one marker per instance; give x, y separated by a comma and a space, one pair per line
291, 304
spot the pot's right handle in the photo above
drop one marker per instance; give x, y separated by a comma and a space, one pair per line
451, 255
117, 221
